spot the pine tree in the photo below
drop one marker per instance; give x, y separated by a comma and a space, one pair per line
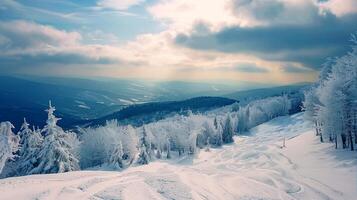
144, 140
207, 145
215, 123
116, 156
9, 143
168, 156
58, 151
143, 156
227, 135
31, 141
158, 153
219, 141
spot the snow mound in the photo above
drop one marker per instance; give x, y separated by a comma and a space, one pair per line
254, 167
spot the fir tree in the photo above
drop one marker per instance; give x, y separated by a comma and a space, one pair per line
58, 150
215, 123
9, 143
144, 140
168, 156
116, 156
143, 156
227, 135
31, 141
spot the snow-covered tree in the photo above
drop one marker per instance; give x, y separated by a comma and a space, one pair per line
168, 155
9, 143
332, 102
215, 123
207, 145
218, 141
31, 143
158, 153
143, 158
260, 111
116, 156
58, 151
145, 140
227, 135
98, 144
207, 132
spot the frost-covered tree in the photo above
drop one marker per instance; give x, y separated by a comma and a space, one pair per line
116, 156
145, 148
58, 151
218, 136
207, 132
9, 143
215, 123
31, 143
30, 140
168, 155
260, 111
227, 135
332, 103
207, 145
158, 153
143, 158
98, 144
146, 141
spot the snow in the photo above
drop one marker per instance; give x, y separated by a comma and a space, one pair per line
126, 102
254, 167
84, 106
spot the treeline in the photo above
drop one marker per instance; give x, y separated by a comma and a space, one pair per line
115, 146
331, 103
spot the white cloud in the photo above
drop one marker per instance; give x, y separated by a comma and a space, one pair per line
183, 15
118, 4
339, 7
22, 35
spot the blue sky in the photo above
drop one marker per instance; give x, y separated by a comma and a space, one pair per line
265, 41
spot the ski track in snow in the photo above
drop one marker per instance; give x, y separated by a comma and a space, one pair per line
255, 167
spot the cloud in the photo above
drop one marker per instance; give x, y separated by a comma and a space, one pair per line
273, 12
295, 69
338, 8
267, 9
309, 44
183, 15
250, 68
118, 4
22, 35
198, 36
29, 44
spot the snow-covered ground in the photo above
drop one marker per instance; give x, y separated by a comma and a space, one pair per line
254, 167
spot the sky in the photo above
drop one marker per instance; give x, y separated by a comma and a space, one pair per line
262, 41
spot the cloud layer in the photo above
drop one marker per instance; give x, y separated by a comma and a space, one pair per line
309, 44
280, 41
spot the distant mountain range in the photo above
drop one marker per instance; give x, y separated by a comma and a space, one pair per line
149, 112
247, 95
80, 101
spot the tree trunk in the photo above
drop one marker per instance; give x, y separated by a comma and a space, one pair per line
351, 142
343, 138
316, 128
335, 141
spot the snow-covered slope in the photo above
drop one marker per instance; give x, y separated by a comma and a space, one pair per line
254, 167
